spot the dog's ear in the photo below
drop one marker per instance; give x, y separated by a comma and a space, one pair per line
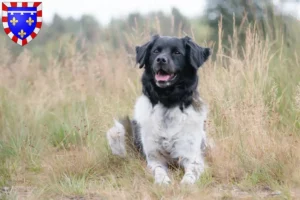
197, 55
143, 51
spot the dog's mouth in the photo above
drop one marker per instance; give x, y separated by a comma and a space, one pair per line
164, 79
163, 76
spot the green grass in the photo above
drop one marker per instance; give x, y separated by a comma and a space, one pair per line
53, 122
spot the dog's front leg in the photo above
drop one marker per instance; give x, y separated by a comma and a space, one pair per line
193, 168
191, 159
158, 166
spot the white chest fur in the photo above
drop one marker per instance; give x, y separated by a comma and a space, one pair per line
170, 132
167, 135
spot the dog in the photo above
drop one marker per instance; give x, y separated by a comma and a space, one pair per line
169, 117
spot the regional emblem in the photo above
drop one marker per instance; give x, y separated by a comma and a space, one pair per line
22, 21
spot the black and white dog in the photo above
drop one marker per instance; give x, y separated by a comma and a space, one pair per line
169, 116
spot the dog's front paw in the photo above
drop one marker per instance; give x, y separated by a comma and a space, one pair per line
162, 180
188, 179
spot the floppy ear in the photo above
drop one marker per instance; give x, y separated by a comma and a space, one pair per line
143, 51
197, 55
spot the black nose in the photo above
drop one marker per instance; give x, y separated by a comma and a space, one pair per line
162, 60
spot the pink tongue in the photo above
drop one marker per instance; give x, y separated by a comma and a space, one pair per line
162, 77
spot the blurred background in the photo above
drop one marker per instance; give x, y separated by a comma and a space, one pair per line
114, 24
60, 92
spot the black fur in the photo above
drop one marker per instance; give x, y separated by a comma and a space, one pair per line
182, 92
185, 64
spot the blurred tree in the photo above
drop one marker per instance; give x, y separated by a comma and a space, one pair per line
181, 24
88, 33
58, 25
135, 20
239, 14
89, 28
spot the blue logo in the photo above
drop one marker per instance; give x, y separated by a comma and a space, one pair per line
22, 21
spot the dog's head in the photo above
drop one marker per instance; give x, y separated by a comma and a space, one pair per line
167, 59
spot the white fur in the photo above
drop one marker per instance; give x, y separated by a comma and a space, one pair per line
116, 139
168, 135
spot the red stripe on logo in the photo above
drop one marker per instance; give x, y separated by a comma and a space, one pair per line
24, 42
7, 31
24, 4
38, 25
13, 4
4, 19
39, 13
15, 39
36, 4
4, 7
33, 35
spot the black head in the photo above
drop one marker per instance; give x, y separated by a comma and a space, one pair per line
169, 59
171, 65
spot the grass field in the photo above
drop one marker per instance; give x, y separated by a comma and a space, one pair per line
53, 121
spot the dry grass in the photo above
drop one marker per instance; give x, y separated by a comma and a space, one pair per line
53, 122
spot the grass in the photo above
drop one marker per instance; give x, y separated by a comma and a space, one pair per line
53, 121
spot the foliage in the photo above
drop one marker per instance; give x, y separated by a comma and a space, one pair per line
59, 94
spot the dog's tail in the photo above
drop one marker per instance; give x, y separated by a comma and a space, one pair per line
124, 136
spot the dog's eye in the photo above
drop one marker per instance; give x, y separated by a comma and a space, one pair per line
177, 52
156, 51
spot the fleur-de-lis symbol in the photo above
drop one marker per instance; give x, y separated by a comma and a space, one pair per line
29, 21
14, 21
22, 33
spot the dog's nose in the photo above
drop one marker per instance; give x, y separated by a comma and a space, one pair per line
162, 60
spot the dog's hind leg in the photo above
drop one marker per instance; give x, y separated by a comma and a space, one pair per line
116, 139
124, 136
